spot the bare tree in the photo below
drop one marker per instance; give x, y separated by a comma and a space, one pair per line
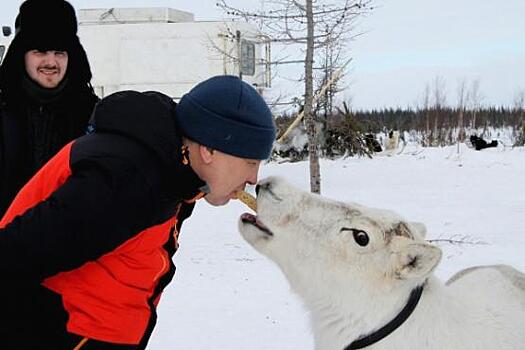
462, 101
519, 109
312, 25
331, 57
440, 99
439, 88
426, 109
315, 172
519, 104
474, 97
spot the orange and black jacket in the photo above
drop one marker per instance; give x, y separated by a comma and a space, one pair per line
86, 245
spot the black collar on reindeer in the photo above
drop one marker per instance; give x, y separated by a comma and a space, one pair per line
386, 330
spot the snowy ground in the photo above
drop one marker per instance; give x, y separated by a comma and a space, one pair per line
227, 296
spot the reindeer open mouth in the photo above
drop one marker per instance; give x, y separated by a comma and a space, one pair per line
250, 219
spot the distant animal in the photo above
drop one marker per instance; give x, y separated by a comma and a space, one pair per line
392, 142
478, 143
366, 275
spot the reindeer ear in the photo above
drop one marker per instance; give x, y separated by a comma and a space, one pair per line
419, 227
415, 260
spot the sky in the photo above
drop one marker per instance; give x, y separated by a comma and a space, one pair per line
405, 45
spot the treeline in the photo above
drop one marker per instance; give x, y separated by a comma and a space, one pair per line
426, 119
445, 126
346, 132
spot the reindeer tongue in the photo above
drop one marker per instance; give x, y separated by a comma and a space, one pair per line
252, 219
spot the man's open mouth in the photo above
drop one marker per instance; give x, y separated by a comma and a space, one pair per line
48, 71
253, 220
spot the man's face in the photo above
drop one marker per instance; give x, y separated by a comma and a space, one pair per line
226, 174
46, 68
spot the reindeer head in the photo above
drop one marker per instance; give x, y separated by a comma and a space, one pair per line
340, 243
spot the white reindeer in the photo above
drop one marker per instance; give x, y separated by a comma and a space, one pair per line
366, 276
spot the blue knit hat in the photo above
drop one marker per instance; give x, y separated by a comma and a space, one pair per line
227, 114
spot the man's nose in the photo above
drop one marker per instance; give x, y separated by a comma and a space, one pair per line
252, 180
49, 58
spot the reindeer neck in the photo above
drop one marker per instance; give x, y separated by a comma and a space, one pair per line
342, 319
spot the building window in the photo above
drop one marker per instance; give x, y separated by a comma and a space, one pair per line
247, 58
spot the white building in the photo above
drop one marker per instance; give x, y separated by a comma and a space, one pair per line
167, 50
5, 39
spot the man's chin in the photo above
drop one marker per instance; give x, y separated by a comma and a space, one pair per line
217, 202
48, 82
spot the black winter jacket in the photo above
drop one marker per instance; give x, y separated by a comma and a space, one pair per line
35, 122
32, 131
126, 176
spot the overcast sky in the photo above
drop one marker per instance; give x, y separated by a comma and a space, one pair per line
407, 43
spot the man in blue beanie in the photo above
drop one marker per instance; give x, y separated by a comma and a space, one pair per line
225, 119
92, 234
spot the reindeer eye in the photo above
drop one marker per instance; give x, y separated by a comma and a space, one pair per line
361, 237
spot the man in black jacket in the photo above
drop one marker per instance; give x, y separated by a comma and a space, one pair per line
45, 94
87, 243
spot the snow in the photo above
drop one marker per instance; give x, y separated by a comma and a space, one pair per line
226, 296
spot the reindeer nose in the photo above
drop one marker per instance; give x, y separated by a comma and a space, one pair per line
262, 186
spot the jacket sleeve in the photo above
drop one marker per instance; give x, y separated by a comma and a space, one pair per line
101, 205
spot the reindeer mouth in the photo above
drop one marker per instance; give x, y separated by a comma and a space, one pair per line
250, 219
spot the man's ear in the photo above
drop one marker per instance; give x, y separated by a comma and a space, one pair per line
415, 260
206, 154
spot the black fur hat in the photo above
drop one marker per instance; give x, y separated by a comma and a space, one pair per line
45, 25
